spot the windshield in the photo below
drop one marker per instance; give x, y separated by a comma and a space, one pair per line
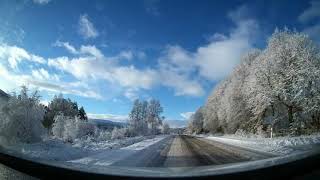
157, 88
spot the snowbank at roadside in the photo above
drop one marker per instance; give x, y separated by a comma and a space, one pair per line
106, 158
57, 150
278, 145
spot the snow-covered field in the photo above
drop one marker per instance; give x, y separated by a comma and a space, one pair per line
57, 150
278, 145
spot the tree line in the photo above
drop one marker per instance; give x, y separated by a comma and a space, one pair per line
145, 118
60, 105
272, 91
24, 119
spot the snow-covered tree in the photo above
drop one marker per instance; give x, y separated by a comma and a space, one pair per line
154, 118
21, 117
143, 126
196, 122
69, 129
58, 125
60, 105
145, 117
102, 135
72, 129
276, 88
288, 78
135, 118
118, 133
165, 128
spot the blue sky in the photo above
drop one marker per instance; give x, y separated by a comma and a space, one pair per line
104, 54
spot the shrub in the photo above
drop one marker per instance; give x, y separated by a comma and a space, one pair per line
21, 118
119, 133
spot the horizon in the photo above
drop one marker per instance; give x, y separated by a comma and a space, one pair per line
106, 54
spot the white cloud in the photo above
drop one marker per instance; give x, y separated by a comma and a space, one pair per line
217, 59
181, 83
63, 88
67, 46
132, 77
186, 115
43, 75
111, 117
312, 12
176, 68
14, 55
86, 27
41, 2
84, 49
92, 50
41, 79
126, 55
177, 59
40, 74
217, 37
97, 66
131, 94
129, 77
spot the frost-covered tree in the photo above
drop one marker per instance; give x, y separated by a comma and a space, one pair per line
72, 129
69, 129
288, 78
165, 128
118, 133
135, 118
145, 117
58, 126
196, 122
154, 118
228, 100
21, 117
276, 88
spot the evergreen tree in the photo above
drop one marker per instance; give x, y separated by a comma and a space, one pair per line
59, 105
82, 114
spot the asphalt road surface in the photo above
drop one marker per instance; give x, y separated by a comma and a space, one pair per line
188, 151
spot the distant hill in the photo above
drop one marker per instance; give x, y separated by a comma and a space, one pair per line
107, 124
176, 123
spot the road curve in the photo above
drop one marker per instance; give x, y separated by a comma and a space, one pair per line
188, 151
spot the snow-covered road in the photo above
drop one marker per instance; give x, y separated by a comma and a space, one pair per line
173, 151
185, 156
188, 151
108, 157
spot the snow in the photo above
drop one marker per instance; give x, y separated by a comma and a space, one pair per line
57, 150
278, 145
106, 158
52, 149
